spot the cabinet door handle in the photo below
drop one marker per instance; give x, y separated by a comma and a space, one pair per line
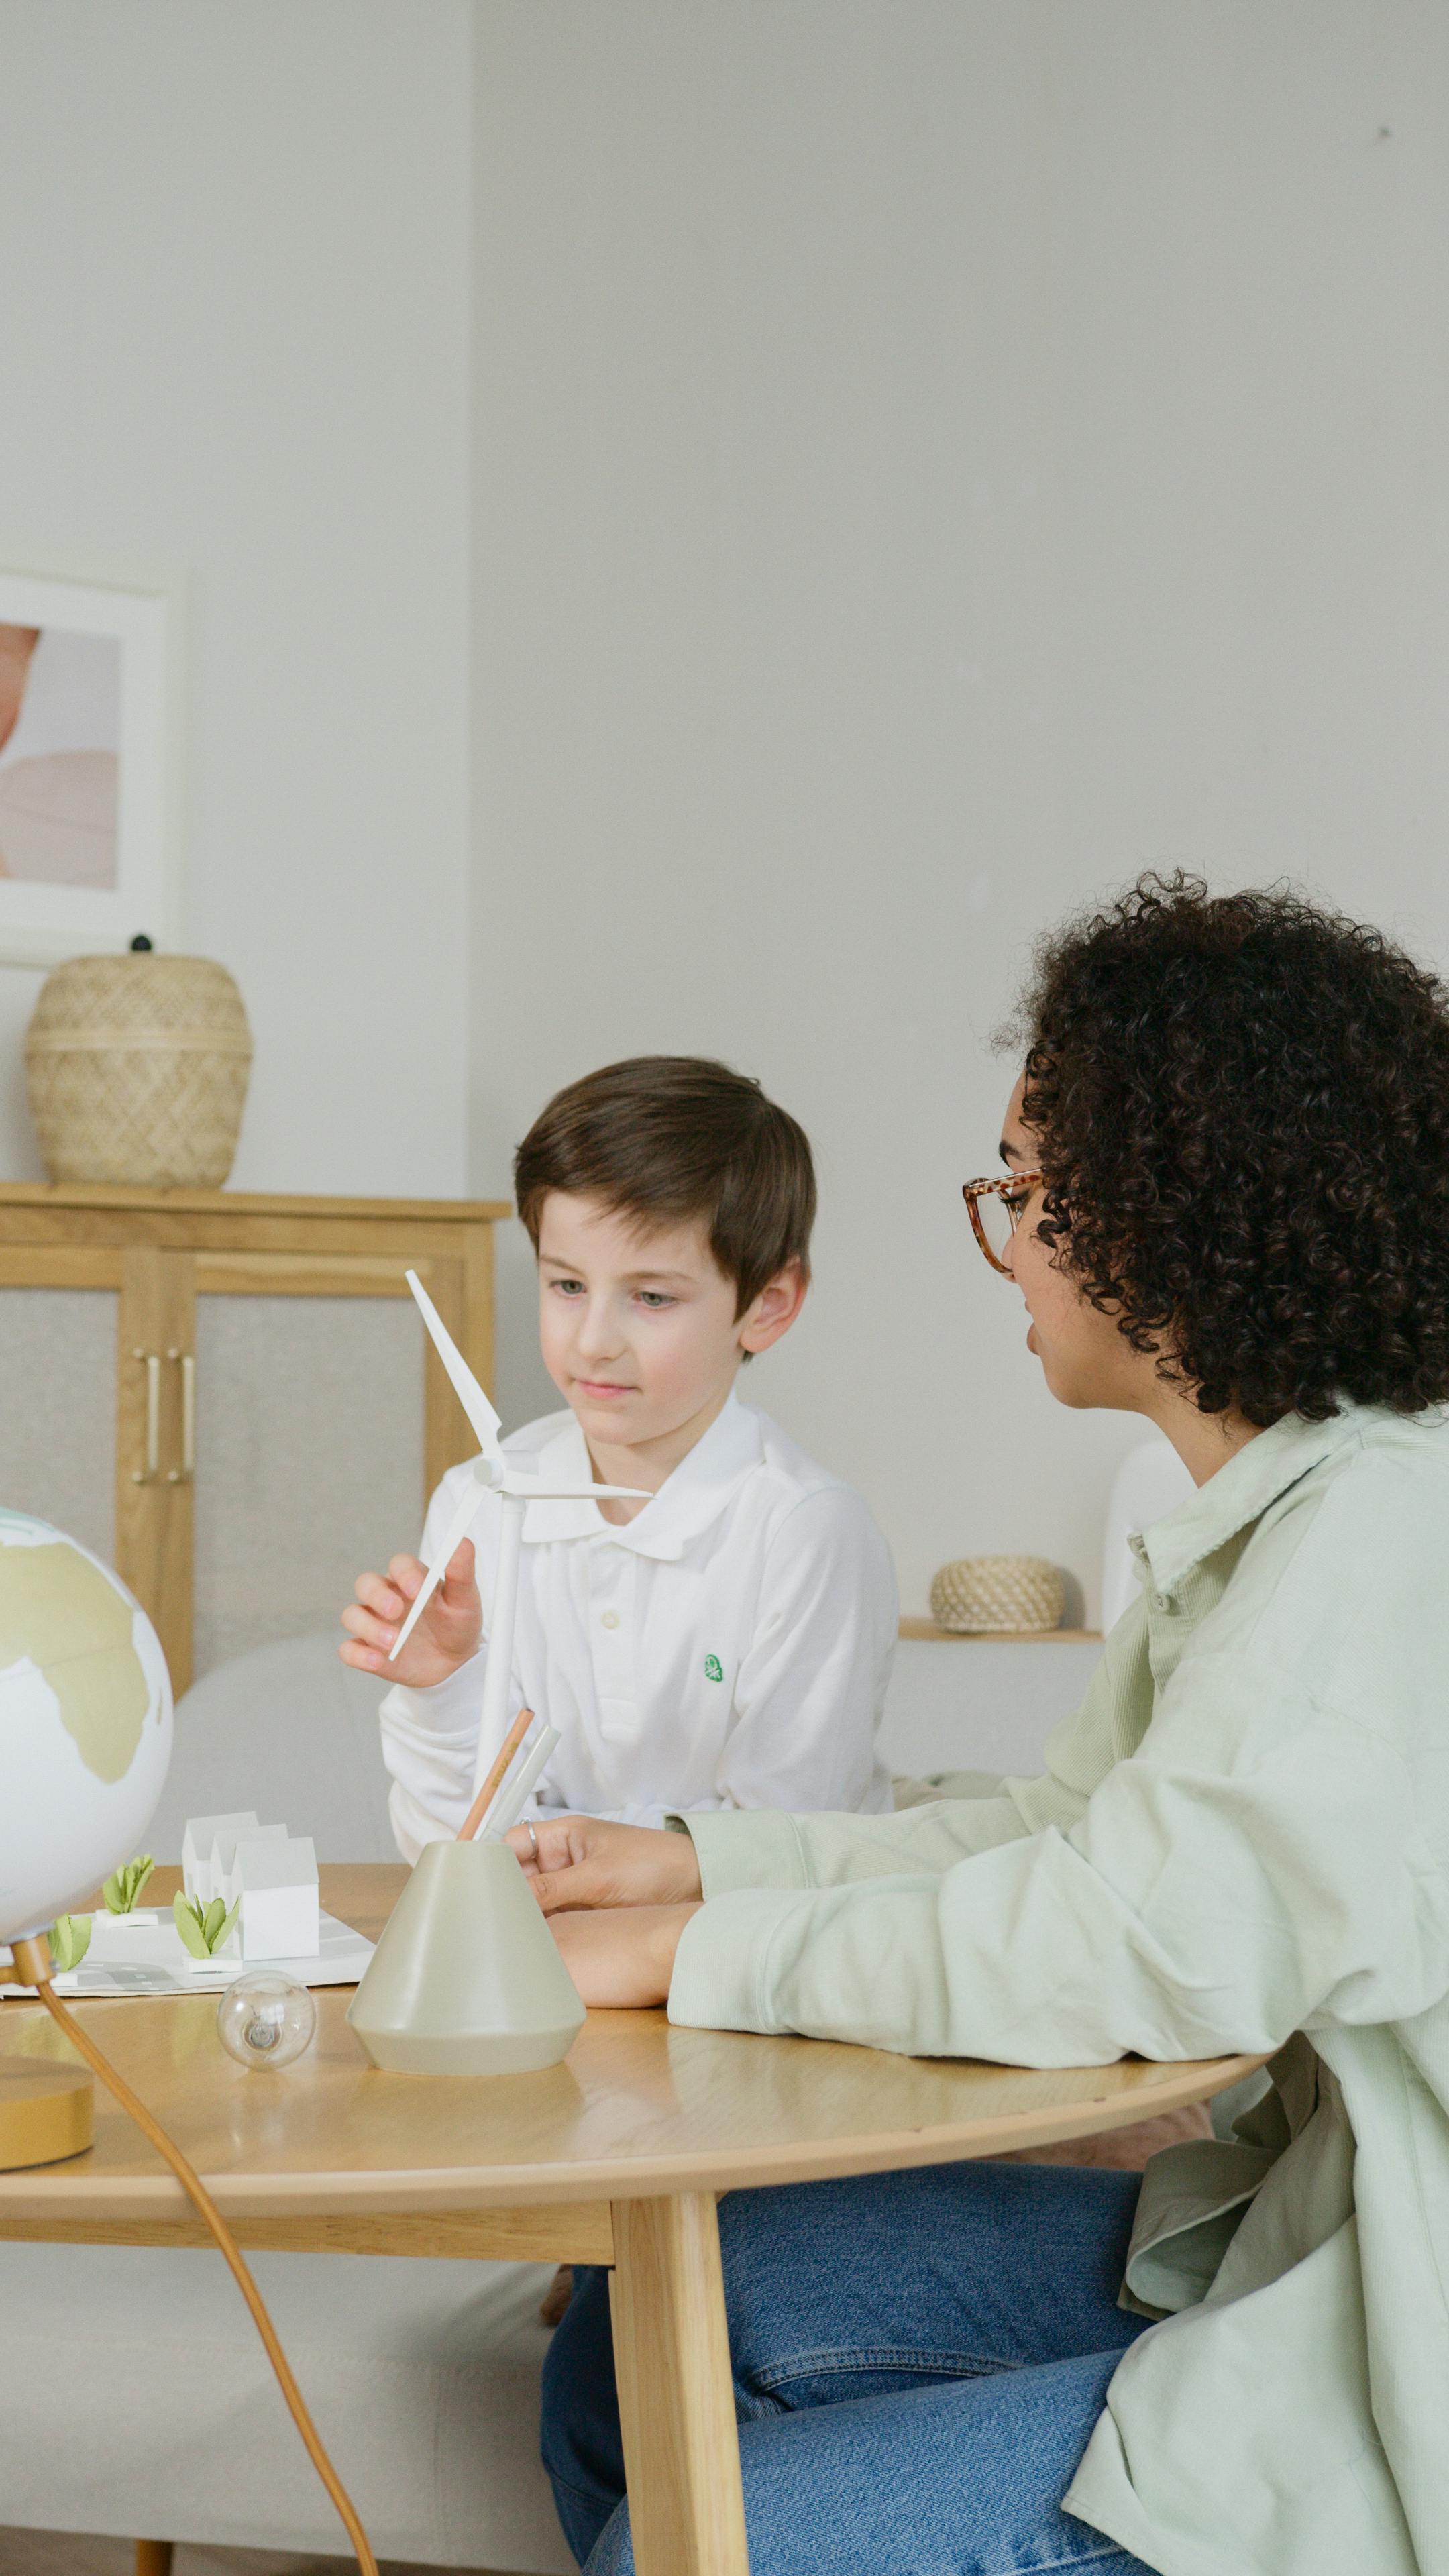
151, 1362
183, 1474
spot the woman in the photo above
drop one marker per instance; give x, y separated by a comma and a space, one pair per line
1226, 1208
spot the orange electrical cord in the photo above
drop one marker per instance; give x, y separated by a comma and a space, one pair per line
192, 2184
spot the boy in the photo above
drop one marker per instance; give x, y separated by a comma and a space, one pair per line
727, 1642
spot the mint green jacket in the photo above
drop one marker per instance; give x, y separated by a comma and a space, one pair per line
1241, 1842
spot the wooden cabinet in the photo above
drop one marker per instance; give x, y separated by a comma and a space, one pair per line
195, 1293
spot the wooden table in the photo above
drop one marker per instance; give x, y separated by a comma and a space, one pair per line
615, 2157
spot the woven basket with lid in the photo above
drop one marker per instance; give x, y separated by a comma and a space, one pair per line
136, 1069
980, 1596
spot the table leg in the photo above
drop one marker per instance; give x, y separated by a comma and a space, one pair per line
676, 2394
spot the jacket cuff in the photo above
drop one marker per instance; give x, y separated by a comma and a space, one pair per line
758, 1849
719, 1967
448, 1707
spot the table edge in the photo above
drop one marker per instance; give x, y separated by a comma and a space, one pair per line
67, 2191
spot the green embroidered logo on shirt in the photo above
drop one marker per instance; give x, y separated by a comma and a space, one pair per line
713, 1669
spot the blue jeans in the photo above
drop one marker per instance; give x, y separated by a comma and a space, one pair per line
919, 2360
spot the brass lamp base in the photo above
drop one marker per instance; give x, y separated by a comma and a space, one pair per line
46, 2112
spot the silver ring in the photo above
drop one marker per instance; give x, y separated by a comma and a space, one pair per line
532, 1836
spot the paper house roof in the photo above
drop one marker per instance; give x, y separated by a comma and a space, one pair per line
290, 1862
226, 1846
203, 1831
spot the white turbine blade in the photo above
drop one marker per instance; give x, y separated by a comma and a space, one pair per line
463, 1520
531, 1492
486, 1423
512, 1795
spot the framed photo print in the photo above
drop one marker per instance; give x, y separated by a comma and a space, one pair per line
83, 763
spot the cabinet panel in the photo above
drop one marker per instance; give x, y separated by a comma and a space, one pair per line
58, 1410
309, 1459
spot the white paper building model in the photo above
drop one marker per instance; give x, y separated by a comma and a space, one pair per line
202, 1835
275, 1883
224, 1854
270, 1874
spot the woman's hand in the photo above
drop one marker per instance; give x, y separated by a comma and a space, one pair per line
622, 1957
584, 1862
448, 1634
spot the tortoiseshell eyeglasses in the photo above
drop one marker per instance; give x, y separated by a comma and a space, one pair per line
995, 1208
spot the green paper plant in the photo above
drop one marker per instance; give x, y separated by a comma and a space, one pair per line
125, 1884
70, 1938
203, 1928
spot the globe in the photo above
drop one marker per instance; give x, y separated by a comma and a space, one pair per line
85, 1723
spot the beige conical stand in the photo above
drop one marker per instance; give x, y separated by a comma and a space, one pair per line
467, 1979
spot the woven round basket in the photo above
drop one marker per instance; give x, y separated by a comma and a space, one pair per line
982, 1595
136, 1069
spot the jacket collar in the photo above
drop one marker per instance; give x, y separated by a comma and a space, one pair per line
701, 1487
1242, 1491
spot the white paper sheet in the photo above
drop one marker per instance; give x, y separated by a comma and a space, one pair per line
151, 1959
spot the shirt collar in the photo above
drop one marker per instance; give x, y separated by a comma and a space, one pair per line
1241, 1492
687, 1502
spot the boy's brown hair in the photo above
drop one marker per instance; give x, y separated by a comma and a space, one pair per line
668, 1138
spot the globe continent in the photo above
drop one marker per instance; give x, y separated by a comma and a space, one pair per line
85, 1722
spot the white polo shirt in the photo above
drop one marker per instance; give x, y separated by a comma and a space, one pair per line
729, 1647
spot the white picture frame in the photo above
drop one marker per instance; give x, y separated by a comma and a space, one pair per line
129, 877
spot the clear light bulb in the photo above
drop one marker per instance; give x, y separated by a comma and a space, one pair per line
265, 2019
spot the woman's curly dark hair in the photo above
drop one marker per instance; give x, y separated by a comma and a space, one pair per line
1242, 1107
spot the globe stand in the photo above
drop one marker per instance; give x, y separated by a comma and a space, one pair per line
46, 2112
466, 1978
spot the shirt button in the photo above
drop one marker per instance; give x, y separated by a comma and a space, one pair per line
610, 1619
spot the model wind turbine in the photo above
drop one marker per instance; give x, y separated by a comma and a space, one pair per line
467, 1977
516, 1489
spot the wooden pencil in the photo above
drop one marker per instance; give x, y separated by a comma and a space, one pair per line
489, 1790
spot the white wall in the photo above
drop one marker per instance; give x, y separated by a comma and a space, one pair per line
933, 459
234, 331
925, 459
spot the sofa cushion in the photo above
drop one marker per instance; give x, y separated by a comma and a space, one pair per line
137, 2401
292, 1731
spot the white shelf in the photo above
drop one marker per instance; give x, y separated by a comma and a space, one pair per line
927, 1628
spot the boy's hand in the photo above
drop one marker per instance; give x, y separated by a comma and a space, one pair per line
622, 1959
585, 1862
447, 1634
